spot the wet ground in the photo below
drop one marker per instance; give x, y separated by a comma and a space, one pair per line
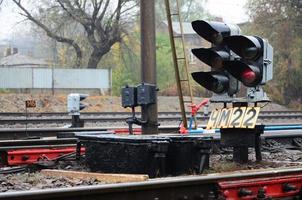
273, 157
34, 180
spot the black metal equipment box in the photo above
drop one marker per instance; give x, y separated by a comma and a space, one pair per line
146, 94
155, 155
129, 96
188, 154
133, 154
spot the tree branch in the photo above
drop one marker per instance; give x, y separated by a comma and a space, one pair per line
100, 18
76, 13
50, 33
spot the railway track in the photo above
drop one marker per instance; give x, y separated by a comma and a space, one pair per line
39, 138
190, 187
213, 186
255, 185
4, 115
8, 120
27, 133
30, 133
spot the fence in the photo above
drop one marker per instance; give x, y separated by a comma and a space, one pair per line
46, 78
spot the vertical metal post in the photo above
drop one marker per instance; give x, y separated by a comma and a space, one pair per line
175, 64
110, 81
53, 66
26, 120
258, 147
148, 62
52, 79
241, 154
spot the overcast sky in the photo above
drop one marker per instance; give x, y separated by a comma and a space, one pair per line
232, 11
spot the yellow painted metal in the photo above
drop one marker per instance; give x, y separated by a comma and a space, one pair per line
237, 117
177, 66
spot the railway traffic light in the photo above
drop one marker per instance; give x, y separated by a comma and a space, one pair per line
254, 64
74, 104
218, 80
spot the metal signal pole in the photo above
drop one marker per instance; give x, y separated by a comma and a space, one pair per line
148, 62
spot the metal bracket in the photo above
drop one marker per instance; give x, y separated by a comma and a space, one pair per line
223, 98
133, 120
256, 94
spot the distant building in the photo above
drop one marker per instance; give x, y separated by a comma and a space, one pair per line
14, 59
192, 40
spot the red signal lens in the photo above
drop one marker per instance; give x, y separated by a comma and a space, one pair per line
248, 76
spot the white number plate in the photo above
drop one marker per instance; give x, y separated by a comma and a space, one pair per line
237, 117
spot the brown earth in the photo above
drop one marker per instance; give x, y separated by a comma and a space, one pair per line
57, 103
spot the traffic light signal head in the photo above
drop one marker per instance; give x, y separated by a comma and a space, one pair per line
74, 104
213, 81
247, 47
247, 73
211, 57
217, 80
254, 64
233, 58
213, 32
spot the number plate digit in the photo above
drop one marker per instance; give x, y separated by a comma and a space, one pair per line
250, 118
237, 116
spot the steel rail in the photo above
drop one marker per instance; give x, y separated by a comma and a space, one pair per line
184, 187
21, 133
62, 142
31, 133
33, 146
123, 119
5, 144
9, 143
105, 114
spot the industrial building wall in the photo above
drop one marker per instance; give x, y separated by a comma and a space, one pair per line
46, 78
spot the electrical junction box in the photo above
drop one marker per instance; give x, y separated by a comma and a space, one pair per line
129, 96
146, 94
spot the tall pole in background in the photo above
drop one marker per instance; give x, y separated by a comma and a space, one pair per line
148, 62
55, 61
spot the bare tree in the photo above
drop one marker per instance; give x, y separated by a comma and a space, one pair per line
50, 32
101, 20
